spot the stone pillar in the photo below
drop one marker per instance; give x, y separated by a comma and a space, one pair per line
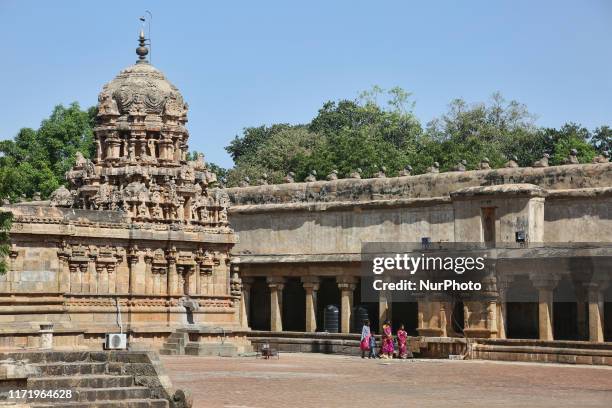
503, 284
132, 262
347, 287
63, 284
545, 284
172, 277
276, 285
311, 286
149, 275
245, 303
595, 297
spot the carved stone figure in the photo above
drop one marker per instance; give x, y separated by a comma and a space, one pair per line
461, 166
543, 162
245, 182
263, 180
311, 177
512, 163
290, 177
602, 158
572, 158
406, 171
62, 198
435, 168
356, 174
484, 164
333, 175
381, 173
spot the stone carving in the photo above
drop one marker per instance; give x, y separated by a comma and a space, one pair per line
602, 158
572, 158
543, 162
435, 168
512, 162
263, 180
62, 197
406, 171
485, 164
245, 182
356, 174
381, 173
333, 175
311, 177
461, 166
290, 177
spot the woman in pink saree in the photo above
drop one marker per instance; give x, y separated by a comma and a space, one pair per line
402, 339
387, 340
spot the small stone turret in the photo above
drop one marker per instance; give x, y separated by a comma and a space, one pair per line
543, 162
435, 168
572, 158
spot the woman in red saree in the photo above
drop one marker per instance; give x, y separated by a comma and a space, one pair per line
402, 339
387, 340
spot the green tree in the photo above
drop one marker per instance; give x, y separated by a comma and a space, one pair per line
252, 138
602, 139
5, 227
37, 160
495, 130
569, 136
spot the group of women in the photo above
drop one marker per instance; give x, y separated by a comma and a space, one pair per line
387, 349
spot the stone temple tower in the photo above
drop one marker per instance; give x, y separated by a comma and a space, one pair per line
140, 165
141, 232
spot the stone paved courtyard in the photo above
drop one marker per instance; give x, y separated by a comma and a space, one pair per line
318, 380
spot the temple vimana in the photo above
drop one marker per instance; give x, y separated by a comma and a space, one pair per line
147, 242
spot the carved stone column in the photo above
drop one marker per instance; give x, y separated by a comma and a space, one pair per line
63, 283
385, 311
347, 287
545, 284
595, 298
132, 258
149, 278
311, 286
172, 274
245, 309
503, 284
276, 285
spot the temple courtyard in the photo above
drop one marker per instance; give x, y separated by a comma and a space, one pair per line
320, 380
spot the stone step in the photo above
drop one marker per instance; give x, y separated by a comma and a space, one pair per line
130, 403
211, 349
80, 381
100, 394
168, 351
78, 368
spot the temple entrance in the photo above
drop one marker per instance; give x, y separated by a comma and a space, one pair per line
458, 318
260, 305
522, 310
294, 306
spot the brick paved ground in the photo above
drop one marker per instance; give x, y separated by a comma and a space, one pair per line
318, 380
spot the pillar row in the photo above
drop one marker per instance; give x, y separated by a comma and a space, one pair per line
545, 284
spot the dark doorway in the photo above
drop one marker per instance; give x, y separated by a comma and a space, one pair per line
329, 294
294, 306
522, 310
406, 313
260, 305
458, 318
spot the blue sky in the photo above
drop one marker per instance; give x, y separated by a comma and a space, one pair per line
247, 63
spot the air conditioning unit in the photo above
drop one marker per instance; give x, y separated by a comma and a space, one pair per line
115, 341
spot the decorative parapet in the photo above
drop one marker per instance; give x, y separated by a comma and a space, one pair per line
424, 186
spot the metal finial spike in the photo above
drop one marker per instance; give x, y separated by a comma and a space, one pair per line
142, 50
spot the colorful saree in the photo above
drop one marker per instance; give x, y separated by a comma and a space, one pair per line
387, 342
402, 338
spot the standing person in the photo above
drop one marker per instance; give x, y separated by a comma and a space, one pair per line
373, 347
365, 338
402, 338
387, 340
